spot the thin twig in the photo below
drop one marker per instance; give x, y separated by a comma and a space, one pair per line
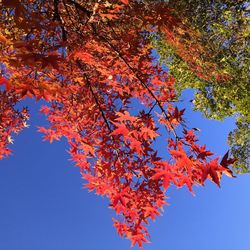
167, 116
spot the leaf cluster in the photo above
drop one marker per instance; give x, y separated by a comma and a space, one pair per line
222, 29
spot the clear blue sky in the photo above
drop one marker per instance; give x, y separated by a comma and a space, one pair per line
44, 207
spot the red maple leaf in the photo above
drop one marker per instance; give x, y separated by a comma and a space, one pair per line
120, 130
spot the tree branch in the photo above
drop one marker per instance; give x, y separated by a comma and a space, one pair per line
167, 116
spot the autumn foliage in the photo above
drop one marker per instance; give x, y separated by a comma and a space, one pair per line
93, 64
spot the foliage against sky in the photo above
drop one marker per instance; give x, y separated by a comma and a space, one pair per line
90, 61
222, 28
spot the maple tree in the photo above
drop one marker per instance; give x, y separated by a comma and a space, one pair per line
92, 62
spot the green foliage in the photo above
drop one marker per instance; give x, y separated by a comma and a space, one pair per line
239, 139
223, 30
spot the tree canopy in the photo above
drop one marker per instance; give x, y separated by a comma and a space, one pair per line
222, 28
92, 62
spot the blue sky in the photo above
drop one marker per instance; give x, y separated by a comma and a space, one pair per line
44, 207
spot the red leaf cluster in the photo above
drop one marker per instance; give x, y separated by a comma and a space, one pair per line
92, 62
